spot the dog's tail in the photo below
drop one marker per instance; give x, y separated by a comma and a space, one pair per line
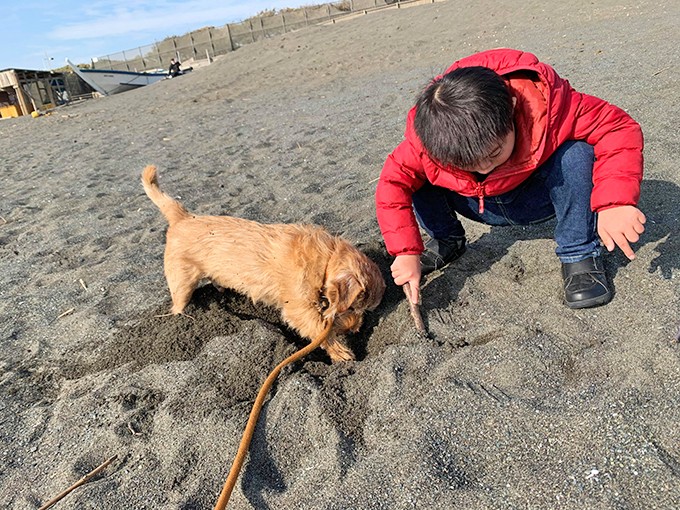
171, 208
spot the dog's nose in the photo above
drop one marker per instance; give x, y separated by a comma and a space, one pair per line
355, 323
349, 323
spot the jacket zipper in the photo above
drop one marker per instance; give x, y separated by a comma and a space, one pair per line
480, 195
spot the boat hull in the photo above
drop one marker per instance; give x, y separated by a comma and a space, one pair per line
108, 82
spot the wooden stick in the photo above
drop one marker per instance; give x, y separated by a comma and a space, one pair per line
415, 310
173, 314
80, 482
70, 310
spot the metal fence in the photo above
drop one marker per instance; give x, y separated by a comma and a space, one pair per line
209, 42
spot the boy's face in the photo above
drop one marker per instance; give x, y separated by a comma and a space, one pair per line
498, 155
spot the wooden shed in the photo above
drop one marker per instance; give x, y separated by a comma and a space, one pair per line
23, 91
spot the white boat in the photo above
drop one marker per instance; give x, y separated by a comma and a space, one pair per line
108, 81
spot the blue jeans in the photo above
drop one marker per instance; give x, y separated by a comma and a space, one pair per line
560, 188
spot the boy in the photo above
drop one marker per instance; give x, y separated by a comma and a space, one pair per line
501, 139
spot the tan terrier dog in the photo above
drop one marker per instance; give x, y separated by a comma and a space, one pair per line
304, 271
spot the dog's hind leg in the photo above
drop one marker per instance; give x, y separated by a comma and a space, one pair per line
182, 282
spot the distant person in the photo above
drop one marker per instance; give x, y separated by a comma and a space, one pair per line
174, 69
501, 139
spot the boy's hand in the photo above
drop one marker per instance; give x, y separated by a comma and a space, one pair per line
620, 225
406, 268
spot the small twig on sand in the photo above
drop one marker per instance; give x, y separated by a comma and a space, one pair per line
660, 71
171, 314
133, 431
83, 284
80, 482
70, 310
374, 180
4, 221
415, 310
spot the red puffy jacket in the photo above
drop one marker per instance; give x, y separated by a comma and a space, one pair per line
548, 113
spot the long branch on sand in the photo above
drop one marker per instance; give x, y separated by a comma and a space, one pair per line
80, 482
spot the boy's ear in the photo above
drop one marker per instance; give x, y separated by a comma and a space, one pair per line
514, 102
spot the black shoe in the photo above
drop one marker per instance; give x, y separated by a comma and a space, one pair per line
585, 284
439, 253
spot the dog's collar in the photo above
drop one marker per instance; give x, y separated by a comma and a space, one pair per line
323, 303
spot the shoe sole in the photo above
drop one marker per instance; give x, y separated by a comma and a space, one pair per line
590, 303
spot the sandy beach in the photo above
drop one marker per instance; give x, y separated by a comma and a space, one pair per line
515, 402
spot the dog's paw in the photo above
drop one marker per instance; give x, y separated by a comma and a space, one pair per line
338, 351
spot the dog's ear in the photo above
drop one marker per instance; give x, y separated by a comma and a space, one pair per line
342, 291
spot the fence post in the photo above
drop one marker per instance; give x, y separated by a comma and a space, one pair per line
158, 53
252, 34
210, 38
328, 8
231, 41
283, 22
264, 34
193, 45
304, 9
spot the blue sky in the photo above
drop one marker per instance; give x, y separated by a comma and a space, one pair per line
35, 31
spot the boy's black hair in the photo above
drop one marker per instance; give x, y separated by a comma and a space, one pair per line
462, 115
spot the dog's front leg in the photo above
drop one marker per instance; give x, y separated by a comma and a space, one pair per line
310, 324
337, 349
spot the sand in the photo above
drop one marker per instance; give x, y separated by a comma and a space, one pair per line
515, 402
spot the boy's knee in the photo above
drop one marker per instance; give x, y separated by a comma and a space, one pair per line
577, 154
